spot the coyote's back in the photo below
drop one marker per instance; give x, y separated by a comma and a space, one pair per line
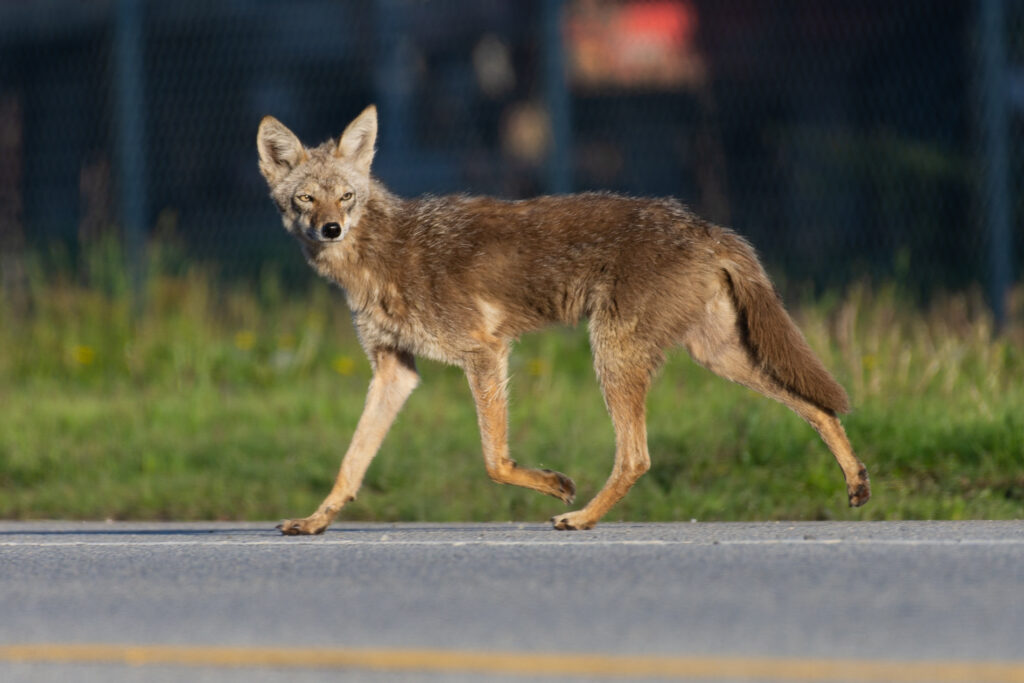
457, 278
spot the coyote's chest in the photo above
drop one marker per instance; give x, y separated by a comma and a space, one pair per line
380, 326
381, 310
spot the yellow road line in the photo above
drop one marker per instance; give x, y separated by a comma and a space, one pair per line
523, 663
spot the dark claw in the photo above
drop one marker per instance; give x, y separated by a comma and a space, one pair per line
860, 495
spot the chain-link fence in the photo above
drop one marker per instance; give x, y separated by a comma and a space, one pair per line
846, 139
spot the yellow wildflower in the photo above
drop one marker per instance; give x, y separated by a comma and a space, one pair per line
343, 365
83, 355
245, 340
536, 367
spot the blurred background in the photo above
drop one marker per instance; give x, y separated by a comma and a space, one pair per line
847, 140
165, 353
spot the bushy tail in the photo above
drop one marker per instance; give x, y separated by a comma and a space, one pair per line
773, 337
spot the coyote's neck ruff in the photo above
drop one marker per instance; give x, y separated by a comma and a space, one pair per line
457, 278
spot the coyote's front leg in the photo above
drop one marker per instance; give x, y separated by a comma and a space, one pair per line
487, 373
394, 378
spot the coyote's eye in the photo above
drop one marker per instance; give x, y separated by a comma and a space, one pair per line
347, 196
304, 198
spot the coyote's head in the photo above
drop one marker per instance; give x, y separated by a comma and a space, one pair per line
320, 191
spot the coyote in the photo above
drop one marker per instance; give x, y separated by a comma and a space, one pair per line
457, 278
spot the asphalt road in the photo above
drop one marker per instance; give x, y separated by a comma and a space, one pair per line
699, 601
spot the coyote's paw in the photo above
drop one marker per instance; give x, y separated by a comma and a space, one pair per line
859, 490
565, 488
573, 521
314, 524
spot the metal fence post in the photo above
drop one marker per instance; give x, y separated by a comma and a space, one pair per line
130, 136
556, 98
993, 136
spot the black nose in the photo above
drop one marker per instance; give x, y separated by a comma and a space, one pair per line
331, 231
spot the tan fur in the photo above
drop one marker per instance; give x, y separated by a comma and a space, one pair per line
456, 278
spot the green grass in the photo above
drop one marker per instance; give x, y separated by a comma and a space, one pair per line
219, 402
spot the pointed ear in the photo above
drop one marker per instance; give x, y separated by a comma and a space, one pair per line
356, 143
280, 151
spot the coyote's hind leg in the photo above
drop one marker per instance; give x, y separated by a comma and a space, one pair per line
625, 375
717, 345
487, 374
